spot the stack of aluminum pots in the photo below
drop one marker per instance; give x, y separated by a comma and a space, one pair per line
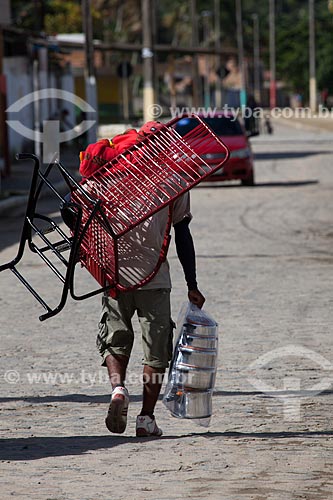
190, 386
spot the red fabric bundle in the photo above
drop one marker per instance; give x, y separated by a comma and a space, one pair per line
104, 150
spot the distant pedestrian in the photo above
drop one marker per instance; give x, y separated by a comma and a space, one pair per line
324, 97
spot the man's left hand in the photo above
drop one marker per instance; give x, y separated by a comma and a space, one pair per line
196, 297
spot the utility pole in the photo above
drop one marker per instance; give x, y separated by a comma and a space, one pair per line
272, 55
3, 107
148, 62
218, 90
155, 16
196, 82
239, 22
89, 71
312, 59
206, 18
256, 59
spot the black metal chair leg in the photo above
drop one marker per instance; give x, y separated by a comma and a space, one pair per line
26, 230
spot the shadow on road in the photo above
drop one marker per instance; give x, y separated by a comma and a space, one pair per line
71, 398
286, 183
34, 448
288, 155
217, 184
265, 435
105, 398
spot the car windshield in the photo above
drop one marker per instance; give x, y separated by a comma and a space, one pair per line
221, 125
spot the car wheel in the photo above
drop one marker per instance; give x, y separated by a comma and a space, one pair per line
249, 180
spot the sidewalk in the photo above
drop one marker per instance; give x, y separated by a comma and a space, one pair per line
14, 189
313, 123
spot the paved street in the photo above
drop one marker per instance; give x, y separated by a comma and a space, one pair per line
264, 258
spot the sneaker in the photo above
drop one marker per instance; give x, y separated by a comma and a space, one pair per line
116, 419
146, 426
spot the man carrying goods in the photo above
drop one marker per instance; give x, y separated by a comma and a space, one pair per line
150, 302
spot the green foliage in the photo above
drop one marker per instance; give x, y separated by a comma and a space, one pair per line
27, 15
63, 17
52, 16
292, 40
292, 44
324, 44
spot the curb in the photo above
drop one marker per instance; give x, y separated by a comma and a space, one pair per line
318, 127
12, 202
22, 200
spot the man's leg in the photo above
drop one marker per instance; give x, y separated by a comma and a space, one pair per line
117, 365
154, 315
152, 383
116, 419
115, 341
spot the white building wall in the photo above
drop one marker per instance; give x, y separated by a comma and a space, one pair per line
19, 84
19, 81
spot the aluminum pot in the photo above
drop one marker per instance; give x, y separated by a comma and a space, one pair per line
192, 404
191, 377
200, 330
199, 358
197, 341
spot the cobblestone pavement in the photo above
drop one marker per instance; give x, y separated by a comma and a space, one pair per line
264, 258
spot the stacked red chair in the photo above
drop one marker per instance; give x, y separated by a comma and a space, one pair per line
119, 196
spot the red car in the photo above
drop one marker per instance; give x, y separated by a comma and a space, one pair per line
229, 129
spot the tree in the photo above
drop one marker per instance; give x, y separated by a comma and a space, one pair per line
63, 17
120, 20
